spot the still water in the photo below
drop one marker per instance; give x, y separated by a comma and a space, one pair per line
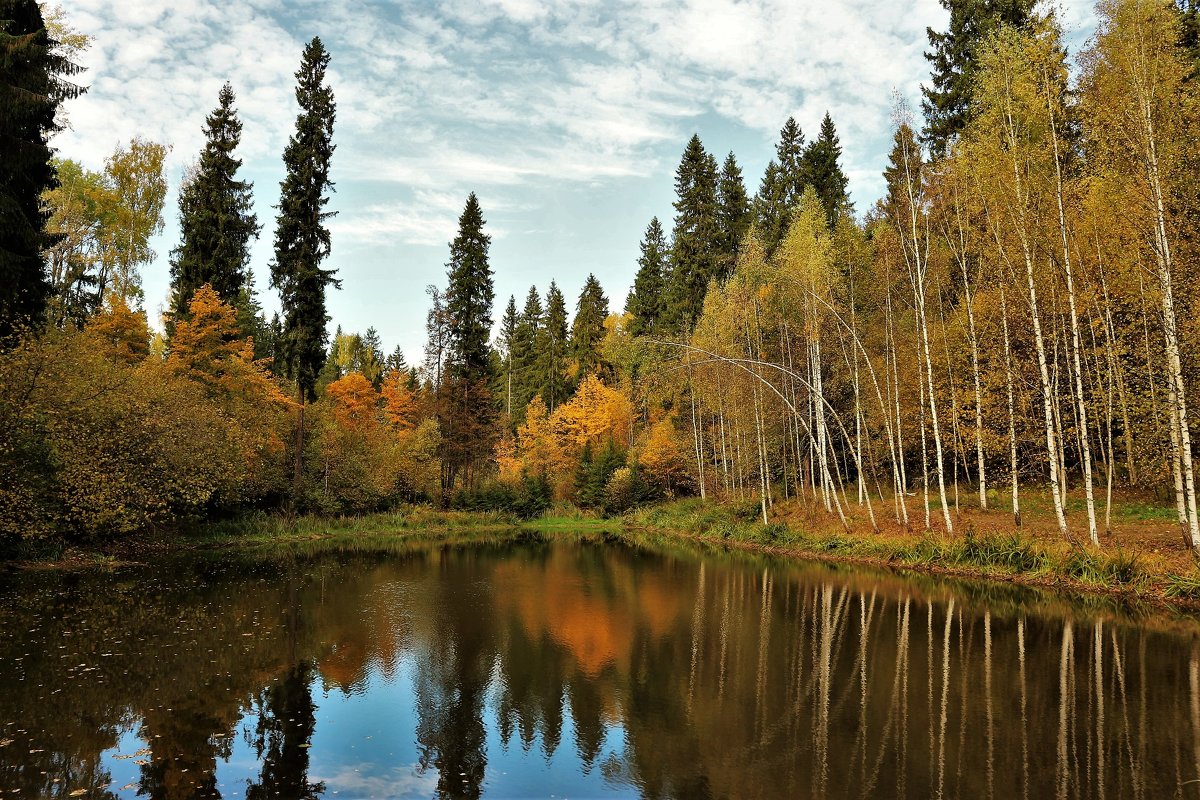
562, 668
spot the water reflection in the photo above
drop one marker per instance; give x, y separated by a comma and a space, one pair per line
537, 667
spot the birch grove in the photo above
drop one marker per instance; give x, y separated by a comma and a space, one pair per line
1014, 314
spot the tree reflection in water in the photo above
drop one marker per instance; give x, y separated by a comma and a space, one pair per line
611, 668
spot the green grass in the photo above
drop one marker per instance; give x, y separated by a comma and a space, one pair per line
1001, 555
1183, 587
265, 528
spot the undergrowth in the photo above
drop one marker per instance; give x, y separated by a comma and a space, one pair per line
994, 554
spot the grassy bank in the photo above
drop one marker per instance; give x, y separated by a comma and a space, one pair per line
263, 531
1132, 563
1143, 573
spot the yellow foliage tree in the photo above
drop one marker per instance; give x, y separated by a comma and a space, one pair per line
540, 452
121, 332
594, 415
662, 460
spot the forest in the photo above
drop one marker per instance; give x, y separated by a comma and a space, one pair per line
1015, 316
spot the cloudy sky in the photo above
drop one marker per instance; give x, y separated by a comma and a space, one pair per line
566, 117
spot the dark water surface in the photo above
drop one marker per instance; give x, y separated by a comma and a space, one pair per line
539, 668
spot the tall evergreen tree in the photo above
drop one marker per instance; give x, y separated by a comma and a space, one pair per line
782, 186
468, 411
587, 329
823, 159
552, 350
647, 298
469, 294
769, 207
369, 357
694, 255
508, 340
252, 320
733, 214
302, 241
905, 156
216, 219
953, 55
32, 86
793, 167
526, 380
396, 362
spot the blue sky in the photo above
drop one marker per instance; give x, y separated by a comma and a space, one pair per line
566, 117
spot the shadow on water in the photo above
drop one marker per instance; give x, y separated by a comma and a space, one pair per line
521, 664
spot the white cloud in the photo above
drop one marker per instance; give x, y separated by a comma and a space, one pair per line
516, 99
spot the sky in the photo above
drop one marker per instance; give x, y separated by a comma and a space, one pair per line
567, 118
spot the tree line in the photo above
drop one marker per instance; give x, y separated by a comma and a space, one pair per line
1014, 311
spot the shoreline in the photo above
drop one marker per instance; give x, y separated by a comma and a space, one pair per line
999, 558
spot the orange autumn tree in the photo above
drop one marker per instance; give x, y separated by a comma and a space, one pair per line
399, 402
354, 403
208, 347
370, 446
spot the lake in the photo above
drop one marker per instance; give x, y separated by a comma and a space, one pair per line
564, 667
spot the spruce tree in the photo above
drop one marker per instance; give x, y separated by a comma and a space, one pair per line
552, 350
824, 169
733, 214
32, 86
467, 412
302, 241
370, 357
905, 151
953, 56
469, 294
252, 320
216, 220
782, 186
647, 298
526, 381
508, 341
395, 362
793, 167
587, 329
694, 254
769, 207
